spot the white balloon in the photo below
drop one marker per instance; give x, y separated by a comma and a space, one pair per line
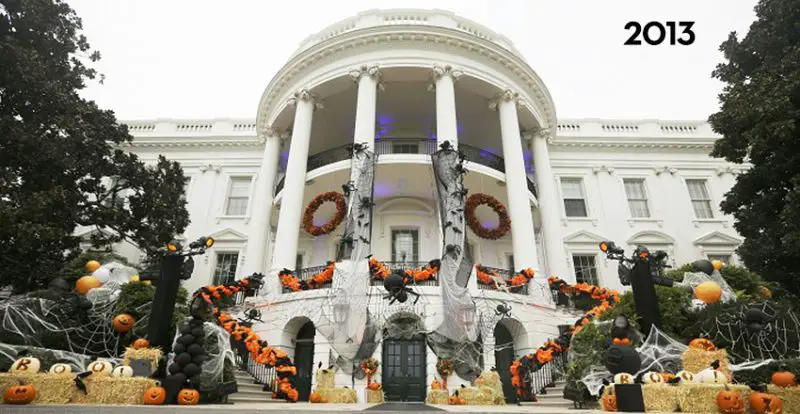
102, 274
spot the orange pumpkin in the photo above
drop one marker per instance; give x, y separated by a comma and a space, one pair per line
702, 343
784, 378
763, 403
123, 322
141, 343
708, 292
87, 283
609, 401
19, 394
316, 397
456, 400
375, 386
155, 395
730, 402
668, 376
621, 341
436, 385
188, 396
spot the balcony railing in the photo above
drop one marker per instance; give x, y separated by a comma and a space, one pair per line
407, 265
421, 146
505, 274
308, 273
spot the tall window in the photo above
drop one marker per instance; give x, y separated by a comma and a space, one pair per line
724, 258
637, 197
585, 269
225, 271
405, 245
298, 263
238, 196
574, 200
701, 200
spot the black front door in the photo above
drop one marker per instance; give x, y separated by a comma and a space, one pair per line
404, 369
504, 357
304, 359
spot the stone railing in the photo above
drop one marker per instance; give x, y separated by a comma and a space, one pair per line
406, 17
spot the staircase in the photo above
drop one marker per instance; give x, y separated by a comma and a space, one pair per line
250, 392
553, 400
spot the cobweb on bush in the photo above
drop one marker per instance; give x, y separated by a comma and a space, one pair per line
691, 279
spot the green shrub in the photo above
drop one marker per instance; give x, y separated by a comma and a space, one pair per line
76, 267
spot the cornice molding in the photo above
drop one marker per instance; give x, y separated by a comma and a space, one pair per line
194, 143
516, 68
632, 144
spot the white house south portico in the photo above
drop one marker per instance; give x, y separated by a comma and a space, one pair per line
404, 82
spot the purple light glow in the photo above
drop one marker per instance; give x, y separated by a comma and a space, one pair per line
383, 126
490, 224
382, 189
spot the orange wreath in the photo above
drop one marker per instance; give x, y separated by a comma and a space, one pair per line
479, 199
333, 223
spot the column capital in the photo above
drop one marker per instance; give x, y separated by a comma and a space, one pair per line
306, 96
373, 71
545, 134
505, 96
446, 70
271, 131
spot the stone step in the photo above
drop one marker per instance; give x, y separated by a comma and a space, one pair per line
252, 394
250, 387
264, 399
562, 403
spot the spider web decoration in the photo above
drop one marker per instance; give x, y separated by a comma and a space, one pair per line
50, 322
755, 331
344, 321
693, 279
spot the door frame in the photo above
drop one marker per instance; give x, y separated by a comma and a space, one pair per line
422, 360
304, 346
504, 371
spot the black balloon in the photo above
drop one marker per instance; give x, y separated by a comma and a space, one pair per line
186, 339
704, 266
59, 285
179, 377
199, 359
622, 358
178, 348
198, 332
186, 330
191, 370
174, 368
194, 322
199, 340
195, 349
183, 358
196, 380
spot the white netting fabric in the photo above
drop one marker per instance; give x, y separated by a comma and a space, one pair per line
218, 348
691, 280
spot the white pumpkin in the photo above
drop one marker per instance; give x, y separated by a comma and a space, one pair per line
100, 367
26, 364
122, 371
61, 368
711, 376
652, 377
686, 377
623, 378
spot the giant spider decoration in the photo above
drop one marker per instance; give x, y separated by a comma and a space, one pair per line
504, 310
251, 316
755, 321
396, 286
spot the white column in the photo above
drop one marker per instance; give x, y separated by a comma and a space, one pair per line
263, 195
519, 205
288, 232
549, 206
446, 121
366, 105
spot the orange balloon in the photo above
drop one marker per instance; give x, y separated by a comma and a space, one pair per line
92, 265
708, 292
123, 322
86, 283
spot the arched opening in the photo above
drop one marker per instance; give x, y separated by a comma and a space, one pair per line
304, 358
504, 356
404, 359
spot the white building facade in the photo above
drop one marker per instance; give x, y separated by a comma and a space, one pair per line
403, 82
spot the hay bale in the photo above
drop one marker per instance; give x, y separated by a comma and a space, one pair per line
696, 360
702, 398
325, 379
338, 395
103, 389
50, 388
660, 397
150, 354
375, 397
437, 397
790, 397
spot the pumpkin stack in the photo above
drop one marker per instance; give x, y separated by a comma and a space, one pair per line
784, 386
190, 354
438, 394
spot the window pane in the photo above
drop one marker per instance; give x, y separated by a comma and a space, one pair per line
237, 206
702, 209
405, 148
634, 189
637, 198
240, 187
585, 269
238, 196
225, 270
575, 208
404, 245
639, 208
572, 188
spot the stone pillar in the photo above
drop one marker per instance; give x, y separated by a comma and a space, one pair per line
263, 195
366, 105
549, 206
446, 121
519, 205
285, 252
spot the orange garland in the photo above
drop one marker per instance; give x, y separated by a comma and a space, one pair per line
486, 277
289, 280
258, 348
380, 271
